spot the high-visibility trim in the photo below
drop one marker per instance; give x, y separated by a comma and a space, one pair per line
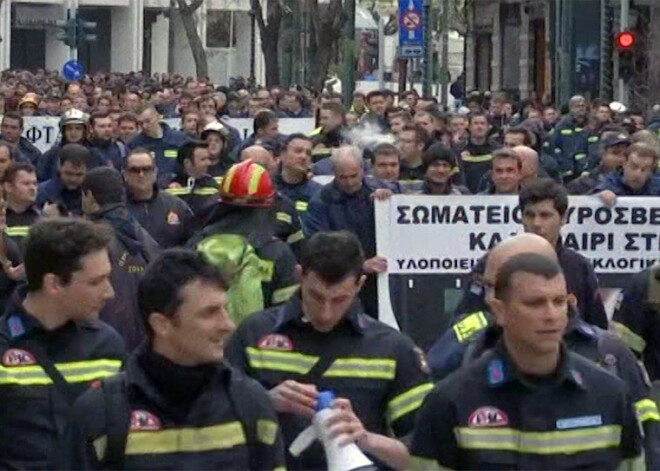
372, 368
630, 338
100, 445
295, 237
580, 156
18, 231
73, 372
407, 402
315, 132
267, 269
417, 463
284, 294
592, 139
279, 468
284, 217
266, 431
647, 410
170, 153
566, 132
255, 178
579, 129
469, 326
540, 443
219, 180
633, 464
277, 360
185, 440
477, 158
205, 191
301, 206
567, 173
178, 191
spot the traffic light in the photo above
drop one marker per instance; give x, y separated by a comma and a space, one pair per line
625, 44
85, 31
69, 33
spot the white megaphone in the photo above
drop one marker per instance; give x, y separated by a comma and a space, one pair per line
339, 458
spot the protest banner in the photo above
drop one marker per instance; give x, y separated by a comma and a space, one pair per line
438, 239
44, 131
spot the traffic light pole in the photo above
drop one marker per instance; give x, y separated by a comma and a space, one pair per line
625, 11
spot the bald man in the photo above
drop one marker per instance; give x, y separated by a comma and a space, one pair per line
476, 333
262, 156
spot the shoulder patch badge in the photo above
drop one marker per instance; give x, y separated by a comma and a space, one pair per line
144, 420
488, 417
495, 372
275, 342
18, 357
173, 219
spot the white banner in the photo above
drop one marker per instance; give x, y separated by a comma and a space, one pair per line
448, 234
44, 131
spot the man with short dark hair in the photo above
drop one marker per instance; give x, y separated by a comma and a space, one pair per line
377, 373
476, 158
166, 218
637, 176
614, 147
265, 126
112, 151
411, 144
496, 409
192, 183
293, 178
104, 202
385, 163
11, 131
544, 204
505, 175
20, 187
178, 382
64, 188
51, 342
440, 164
330, 133
127, 127
376, 104
570, 140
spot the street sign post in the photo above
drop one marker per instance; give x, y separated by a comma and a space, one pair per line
411, 28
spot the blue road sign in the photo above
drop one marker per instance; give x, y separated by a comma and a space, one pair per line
411, 28
73, 70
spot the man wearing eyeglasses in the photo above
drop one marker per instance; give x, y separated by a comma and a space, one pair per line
167, 218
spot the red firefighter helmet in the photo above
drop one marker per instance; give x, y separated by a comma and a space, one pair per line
248, 184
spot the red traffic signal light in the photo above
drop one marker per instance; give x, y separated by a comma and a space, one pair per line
625, 40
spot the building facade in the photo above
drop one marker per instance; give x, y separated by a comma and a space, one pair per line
132, 35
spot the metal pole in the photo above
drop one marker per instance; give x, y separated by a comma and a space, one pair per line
558, 52
445, 53
625, 10
348, 79
253, 40
427, 71
381, 53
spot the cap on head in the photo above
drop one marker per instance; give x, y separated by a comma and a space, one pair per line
74, 116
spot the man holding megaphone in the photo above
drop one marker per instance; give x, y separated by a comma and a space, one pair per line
321, 341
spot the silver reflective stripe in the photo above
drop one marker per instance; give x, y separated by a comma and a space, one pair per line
280, 360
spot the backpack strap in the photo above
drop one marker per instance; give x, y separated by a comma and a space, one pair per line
246, 416
117, 420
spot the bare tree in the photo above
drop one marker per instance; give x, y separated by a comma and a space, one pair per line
326, 24
269, 30
187, 11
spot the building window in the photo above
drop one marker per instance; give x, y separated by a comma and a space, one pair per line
220, 28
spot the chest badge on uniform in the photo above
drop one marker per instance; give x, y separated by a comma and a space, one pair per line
495, 372
275, 342
488, 417
17, 357
173, 219
144, 420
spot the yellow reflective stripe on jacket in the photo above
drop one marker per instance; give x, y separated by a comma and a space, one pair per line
295, 237
100, 445
218, 179
633, 464
476, 158
279, 468
407, 402
417, 463
541, 443
266, 431
630, 338
178, 191
301, 206
469, 326
647, 410
373, 368
73, 372
18, 231
284, 294
592, 139
315, 132
566, 132
580, 156
205, 191
284, 217
185, 440
292, 362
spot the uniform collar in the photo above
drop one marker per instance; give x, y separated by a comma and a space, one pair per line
291, 313
501, 369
